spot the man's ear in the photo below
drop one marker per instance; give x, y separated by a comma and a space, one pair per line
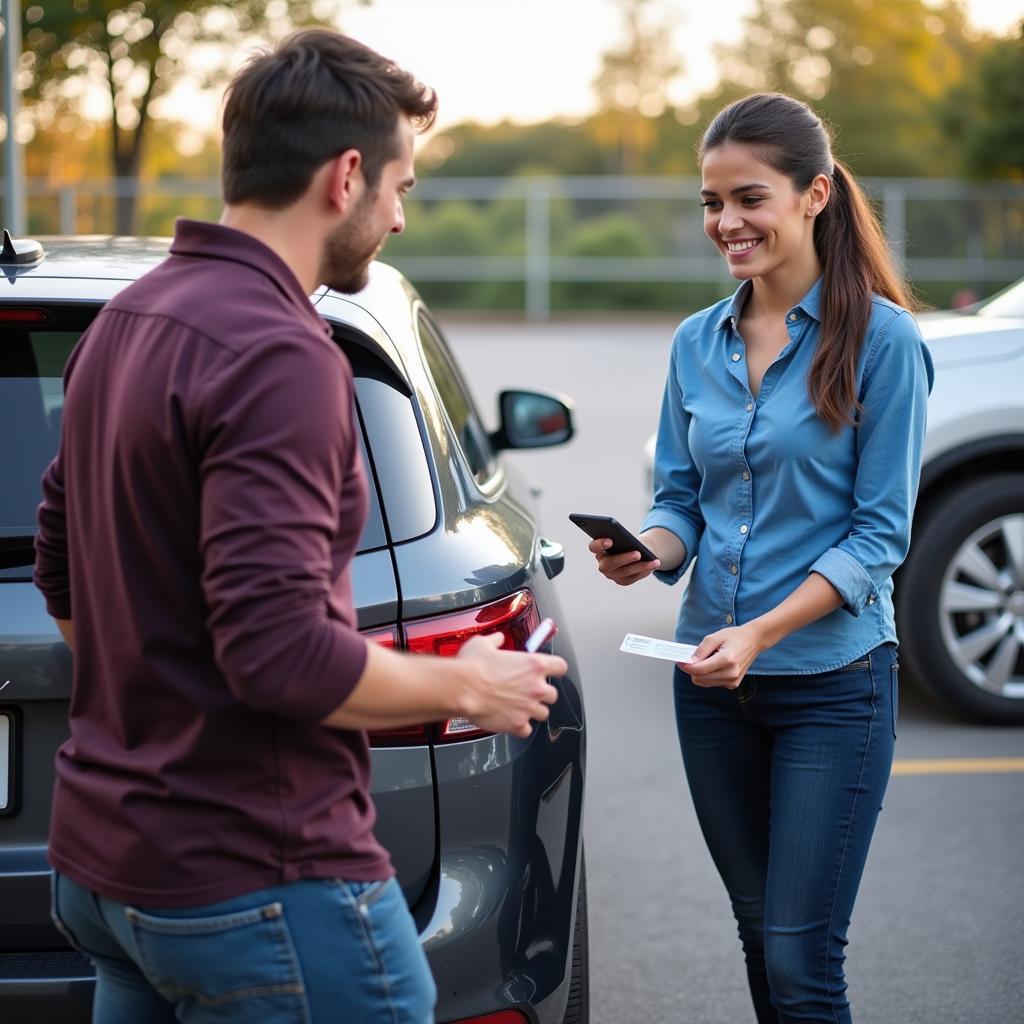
345, 182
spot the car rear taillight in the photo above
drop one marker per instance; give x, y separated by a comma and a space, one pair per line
515, 617
11, 315
410, 735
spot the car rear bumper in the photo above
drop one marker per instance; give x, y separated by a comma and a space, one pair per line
51, 985
496, 916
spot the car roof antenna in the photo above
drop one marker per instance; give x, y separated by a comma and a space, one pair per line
21, 253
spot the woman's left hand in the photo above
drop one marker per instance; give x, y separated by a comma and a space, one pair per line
723, 658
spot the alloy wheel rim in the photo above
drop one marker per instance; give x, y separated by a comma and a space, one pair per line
981, 607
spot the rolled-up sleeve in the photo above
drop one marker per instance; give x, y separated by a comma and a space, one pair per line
52, 575
897, 379
278, 452
676, 477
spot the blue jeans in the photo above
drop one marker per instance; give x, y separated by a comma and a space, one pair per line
787, 775
310, 951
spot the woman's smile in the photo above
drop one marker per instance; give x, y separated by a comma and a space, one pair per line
740, 248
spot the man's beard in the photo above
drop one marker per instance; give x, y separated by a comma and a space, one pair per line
349, 251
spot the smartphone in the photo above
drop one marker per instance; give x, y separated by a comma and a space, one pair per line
606, 526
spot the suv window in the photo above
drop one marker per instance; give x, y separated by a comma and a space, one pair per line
455, 397
32, 359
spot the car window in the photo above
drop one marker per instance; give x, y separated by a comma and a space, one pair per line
31, 406
32, 359
454, 395
397, 450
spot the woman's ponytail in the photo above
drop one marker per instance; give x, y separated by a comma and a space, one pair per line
856, 264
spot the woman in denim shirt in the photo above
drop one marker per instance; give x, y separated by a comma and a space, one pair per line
787, 465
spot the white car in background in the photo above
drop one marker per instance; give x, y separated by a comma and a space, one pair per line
960, 594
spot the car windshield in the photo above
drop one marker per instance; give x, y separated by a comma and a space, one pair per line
1007, 303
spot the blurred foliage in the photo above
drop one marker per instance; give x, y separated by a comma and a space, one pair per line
632, 86
910, 89
551, 147
877, 70
136, 50
985, 112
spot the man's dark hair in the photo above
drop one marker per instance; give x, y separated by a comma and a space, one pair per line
314, 96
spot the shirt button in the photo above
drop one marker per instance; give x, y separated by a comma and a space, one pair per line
728, 619
743, 528
792, 317
871, 599
734, 569
735, 357
750, 408
746, 475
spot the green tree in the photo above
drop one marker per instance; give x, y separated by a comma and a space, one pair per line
876, 69
505, 149
137, 50
632, 86
984, 116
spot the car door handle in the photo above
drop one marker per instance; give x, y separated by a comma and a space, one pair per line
552, 556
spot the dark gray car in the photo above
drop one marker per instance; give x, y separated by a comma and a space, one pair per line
484, 830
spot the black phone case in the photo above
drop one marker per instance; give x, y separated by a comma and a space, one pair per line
607, 526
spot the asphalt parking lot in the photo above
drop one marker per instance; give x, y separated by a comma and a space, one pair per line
935, 936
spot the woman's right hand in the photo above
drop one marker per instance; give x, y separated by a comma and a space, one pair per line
626, 568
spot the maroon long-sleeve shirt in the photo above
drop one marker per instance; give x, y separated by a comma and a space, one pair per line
197, 526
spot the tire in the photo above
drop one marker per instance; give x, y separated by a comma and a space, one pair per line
578, 1009
960, 599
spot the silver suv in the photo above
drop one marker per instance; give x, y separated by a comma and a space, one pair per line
960, 594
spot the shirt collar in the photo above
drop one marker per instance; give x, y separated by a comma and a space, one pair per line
735, 307
809, 304
216, 241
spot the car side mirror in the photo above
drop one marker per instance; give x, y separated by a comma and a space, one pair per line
532, 419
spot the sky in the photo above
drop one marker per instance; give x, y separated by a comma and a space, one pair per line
532, 60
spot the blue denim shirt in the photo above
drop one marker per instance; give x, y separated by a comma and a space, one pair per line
763, 492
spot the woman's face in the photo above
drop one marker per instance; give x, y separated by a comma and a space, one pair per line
755, 217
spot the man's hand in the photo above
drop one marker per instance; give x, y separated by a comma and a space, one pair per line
510, 688
500, 691
723, 658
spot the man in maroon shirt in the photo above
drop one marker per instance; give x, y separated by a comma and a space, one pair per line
212, 832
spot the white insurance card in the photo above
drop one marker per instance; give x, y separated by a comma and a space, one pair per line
651, 648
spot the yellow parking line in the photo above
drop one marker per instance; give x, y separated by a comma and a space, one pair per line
959, 766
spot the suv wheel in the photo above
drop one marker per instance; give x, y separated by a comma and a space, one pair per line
578, 1009
960, 599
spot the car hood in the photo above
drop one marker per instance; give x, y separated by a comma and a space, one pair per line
957, 338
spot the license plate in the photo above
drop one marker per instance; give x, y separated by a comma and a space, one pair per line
8, 750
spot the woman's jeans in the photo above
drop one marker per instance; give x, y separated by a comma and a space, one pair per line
310, 951
787, 775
